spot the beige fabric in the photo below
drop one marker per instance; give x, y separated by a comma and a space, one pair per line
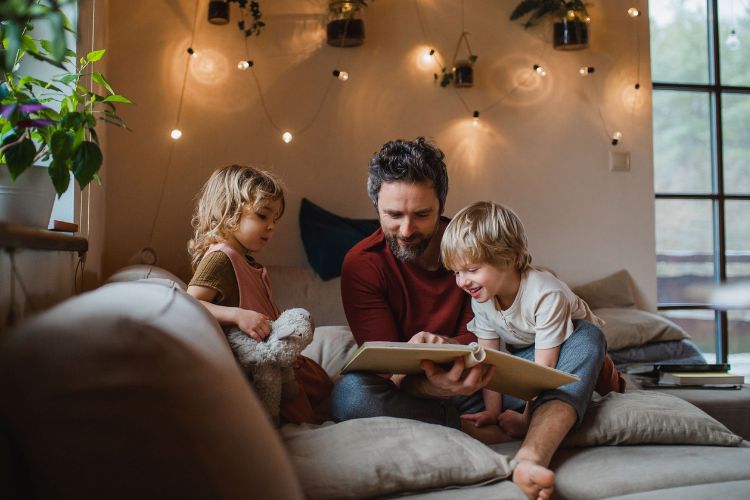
331, 347
615, 290
144, 271
648, 417
301, 287
131, 391
382, 456
632, 327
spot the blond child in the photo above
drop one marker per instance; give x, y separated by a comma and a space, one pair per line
524, 310
236, 216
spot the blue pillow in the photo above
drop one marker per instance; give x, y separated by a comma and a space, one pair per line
327, 237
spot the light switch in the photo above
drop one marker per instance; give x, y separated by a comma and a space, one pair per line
619, 162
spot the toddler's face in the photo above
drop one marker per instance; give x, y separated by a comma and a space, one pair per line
483, 281
256, 227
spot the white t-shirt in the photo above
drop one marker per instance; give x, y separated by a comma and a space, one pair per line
542, 313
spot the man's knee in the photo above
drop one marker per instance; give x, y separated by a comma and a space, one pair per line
354, 396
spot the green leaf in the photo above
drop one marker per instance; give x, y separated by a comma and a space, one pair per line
56, 22
29, 44
68, 78
61, 145
20, 156
99, 78
72, 120
86, 162
95, 55
12, 37
117, 98
524, 8
60, 175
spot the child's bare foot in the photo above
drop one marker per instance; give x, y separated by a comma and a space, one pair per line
535, 481
487, 434
514, 423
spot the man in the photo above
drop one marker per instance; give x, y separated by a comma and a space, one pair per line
394, 288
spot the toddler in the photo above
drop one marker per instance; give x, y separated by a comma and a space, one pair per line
237, 212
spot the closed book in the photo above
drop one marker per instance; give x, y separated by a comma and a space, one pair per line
700, 378
513, 375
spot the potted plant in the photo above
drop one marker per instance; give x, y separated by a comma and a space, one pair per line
345, 28
571, 29
49, 121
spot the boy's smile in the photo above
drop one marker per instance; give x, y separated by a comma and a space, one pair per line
485, 281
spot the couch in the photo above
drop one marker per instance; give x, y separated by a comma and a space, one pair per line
131, 391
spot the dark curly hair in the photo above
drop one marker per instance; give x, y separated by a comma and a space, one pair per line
408, 161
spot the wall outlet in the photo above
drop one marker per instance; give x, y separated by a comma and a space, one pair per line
619, 162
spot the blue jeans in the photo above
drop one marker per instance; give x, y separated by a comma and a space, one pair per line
363, 395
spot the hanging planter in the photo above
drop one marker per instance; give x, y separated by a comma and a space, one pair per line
345, 28
462, 70
571, 28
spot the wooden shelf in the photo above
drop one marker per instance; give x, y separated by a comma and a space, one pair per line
13, 236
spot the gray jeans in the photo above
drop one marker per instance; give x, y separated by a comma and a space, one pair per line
363, 395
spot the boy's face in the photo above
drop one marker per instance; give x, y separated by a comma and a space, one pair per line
256, 227
409, 214
483, 281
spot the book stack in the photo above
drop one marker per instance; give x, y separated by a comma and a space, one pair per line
708, 376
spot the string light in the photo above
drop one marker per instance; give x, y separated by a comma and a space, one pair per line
191, 51
287, 137
733, 41
586, 70
616, 138
633, 12
243, 65
176, 134
540, 71
341, 75
427, 57
475, 118
571, 14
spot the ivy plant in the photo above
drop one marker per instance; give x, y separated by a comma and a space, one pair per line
539, 9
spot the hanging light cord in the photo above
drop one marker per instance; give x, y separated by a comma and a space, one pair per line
172, 143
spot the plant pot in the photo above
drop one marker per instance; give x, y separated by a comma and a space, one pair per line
571, 35
28, 201
345, 32
463, 74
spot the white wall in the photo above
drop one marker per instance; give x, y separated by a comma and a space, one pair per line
542, 150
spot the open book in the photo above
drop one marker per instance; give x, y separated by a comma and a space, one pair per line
515, 376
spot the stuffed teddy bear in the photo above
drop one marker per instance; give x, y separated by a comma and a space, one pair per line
270, 363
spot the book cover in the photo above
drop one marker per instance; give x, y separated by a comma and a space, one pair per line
513, 375
700, 378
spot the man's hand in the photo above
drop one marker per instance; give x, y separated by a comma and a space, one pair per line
482, 418
430, 338
454, 382
253, 323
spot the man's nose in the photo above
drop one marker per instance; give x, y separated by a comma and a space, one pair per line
407, 228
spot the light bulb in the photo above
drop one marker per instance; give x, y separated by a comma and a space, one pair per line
617, 135
341, 75
287, 137
633, 12
571, 14
540, 70
733, 41
243, 65
176, 133
585, 70
427, 56
475, 118
191, 51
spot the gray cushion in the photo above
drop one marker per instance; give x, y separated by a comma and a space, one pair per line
625, 328
142, 272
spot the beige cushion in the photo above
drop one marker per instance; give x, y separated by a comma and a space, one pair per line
142, 272
648, 417
331, 348
632, 327
301, 287
383, 455
131, 391
615, 290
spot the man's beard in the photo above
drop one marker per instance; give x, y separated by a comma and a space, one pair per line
409, 253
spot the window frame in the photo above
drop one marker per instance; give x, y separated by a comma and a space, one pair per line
718, 197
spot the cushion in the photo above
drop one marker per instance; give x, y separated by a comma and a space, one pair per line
331, 348
298, 286
637, 417
327, 237
632, 327
383, 455
143, 272
614, 290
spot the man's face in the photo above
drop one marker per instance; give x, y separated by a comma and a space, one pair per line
409, 215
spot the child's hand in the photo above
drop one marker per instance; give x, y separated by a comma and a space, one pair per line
482, 418
253, 323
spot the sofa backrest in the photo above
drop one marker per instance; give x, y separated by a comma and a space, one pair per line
131, 391
301, 287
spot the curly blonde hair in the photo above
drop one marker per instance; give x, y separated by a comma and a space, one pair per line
485, 232
223, 198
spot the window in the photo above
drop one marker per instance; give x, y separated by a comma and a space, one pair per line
700, 60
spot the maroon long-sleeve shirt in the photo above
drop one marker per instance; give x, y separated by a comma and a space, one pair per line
389, 300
